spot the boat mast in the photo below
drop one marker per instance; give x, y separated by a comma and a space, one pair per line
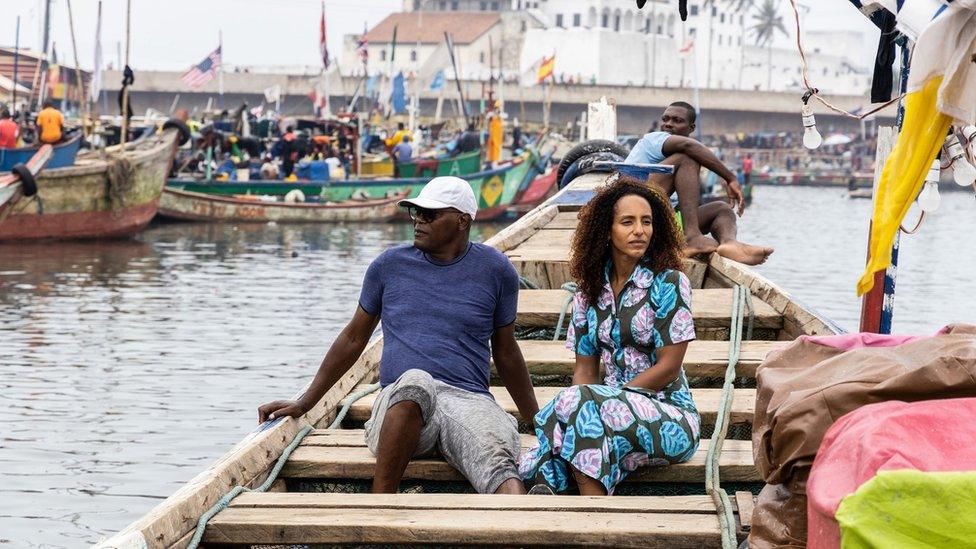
16, 60
125, 89
82, 102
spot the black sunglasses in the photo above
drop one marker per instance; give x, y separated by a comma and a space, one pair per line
426, 215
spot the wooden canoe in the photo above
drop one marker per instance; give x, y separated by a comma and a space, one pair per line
97, 197
63, 154
194, 206
299, 510
11, 186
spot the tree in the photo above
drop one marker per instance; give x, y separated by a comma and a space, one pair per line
766, 21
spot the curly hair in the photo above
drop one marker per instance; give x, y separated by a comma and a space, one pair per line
591, 246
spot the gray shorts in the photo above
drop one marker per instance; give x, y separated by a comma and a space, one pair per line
471, 431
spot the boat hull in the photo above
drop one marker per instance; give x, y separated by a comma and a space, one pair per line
192, 206
95, 198
64, 155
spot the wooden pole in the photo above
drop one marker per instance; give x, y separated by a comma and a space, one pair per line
873, 302
16, 60
125, 89
82, 100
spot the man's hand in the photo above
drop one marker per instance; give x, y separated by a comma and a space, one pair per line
734, 192
280, 408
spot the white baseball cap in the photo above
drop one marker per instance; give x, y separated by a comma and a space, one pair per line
445, 192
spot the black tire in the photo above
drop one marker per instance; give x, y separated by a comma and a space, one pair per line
585, 148
27, 182
181, 127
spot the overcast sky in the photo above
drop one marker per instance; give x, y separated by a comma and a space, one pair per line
174, 34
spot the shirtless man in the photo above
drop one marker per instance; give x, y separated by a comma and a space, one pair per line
672, 146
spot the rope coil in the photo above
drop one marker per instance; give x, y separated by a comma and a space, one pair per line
571, 288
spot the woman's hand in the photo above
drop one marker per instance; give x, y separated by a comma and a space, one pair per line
281, 408
664, 371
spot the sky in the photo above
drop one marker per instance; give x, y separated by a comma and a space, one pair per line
175, 34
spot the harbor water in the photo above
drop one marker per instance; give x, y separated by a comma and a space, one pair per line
127, 367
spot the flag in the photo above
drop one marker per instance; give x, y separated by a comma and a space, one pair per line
435, 64
323, 47
204, 72
362, 47
398, 98
272, 93
96, 78
685, 51
546, 68
438, 82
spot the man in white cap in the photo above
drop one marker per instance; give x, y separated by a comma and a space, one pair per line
442, 301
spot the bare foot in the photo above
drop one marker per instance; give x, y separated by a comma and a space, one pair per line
699, 244
744, 253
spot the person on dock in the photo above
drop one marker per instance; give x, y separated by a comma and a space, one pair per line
441, 301
397, 137
673, 146
9, 130
50, 123
631, 318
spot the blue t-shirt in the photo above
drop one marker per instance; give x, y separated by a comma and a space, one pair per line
438, 317
648, 149
403, 153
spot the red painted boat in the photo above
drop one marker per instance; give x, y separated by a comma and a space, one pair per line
541, 188
105, 194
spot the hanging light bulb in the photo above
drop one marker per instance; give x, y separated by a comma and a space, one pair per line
929, 198
963, 172
811, 137
969, 132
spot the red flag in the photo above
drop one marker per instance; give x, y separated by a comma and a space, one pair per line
323, 47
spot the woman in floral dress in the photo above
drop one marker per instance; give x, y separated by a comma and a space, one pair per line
632, 319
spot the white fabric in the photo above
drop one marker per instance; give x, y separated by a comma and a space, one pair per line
946, 48
445, 192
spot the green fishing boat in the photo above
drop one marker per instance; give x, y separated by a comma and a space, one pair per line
460, 165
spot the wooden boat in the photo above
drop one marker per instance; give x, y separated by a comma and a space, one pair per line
460, 165
541, 187
194, 206
815, 178
96, 197
860, 193
64, 154
494, 189
12, 186
306, 505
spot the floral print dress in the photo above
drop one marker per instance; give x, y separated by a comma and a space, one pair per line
607, 431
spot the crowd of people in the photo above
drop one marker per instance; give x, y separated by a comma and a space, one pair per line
18, 130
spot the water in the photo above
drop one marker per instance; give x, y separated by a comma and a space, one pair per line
128, 367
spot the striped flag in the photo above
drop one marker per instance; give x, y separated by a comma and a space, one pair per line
204, 72
323, 47
362, 48
546, 68
686, 50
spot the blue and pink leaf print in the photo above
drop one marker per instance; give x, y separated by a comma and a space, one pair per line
621, 446
694, 421
664, 295
605, 448
603, 390
615, 333
580, 308
569, 443
642, 326
682, 397
588, 423
632, 296
542, 416
591, 319
555, 474
682, 326
566, 403
605, 300
589, 462
671, 410
635, 360
611, 479
645, 438
528, 461
603, 334
684, 288
634, 460
674, 439
643, 406
642, 277
616, 415
557, 438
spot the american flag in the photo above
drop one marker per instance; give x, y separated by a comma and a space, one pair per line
363, 47
204, 72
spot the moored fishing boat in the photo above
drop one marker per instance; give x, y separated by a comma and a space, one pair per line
63, 154
15, 185
494, 189
311, 501
98, 196
194, 206
460, 165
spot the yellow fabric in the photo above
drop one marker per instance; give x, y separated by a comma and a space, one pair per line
921, 137
546, 68
397, 138
909, 509
49, 120
495, 139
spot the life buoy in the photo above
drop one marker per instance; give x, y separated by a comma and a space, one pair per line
181, 127
27, 182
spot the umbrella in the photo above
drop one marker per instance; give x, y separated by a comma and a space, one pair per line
836, 139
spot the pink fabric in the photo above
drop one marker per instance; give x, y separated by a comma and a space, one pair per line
930, 435
848, 342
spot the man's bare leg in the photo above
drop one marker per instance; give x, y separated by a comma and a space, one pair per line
685, 182
511, 486
399, 436
718, 219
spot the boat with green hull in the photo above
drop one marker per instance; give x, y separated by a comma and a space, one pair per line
460, 165
495, 189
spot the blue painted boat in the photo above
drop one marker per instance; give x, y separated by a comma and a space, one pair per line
64, 155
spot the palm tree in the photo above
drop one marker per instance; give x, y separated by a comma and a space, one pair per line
767, 21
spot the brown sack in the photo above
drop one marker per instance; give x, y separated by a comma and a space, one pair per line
806, 386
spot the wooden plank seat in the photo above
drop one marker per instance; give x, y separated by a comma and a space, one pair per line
711, 308
466, 519
703, 358
342, 453
706, 400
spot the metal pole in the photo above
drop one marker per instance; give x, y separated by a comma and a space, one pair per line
74, 48
47, 25
125, 89
16, 59
457, 77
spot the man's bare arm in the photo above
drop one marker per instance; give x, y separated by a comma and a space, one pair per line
343, 353
511, 368
704, 156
